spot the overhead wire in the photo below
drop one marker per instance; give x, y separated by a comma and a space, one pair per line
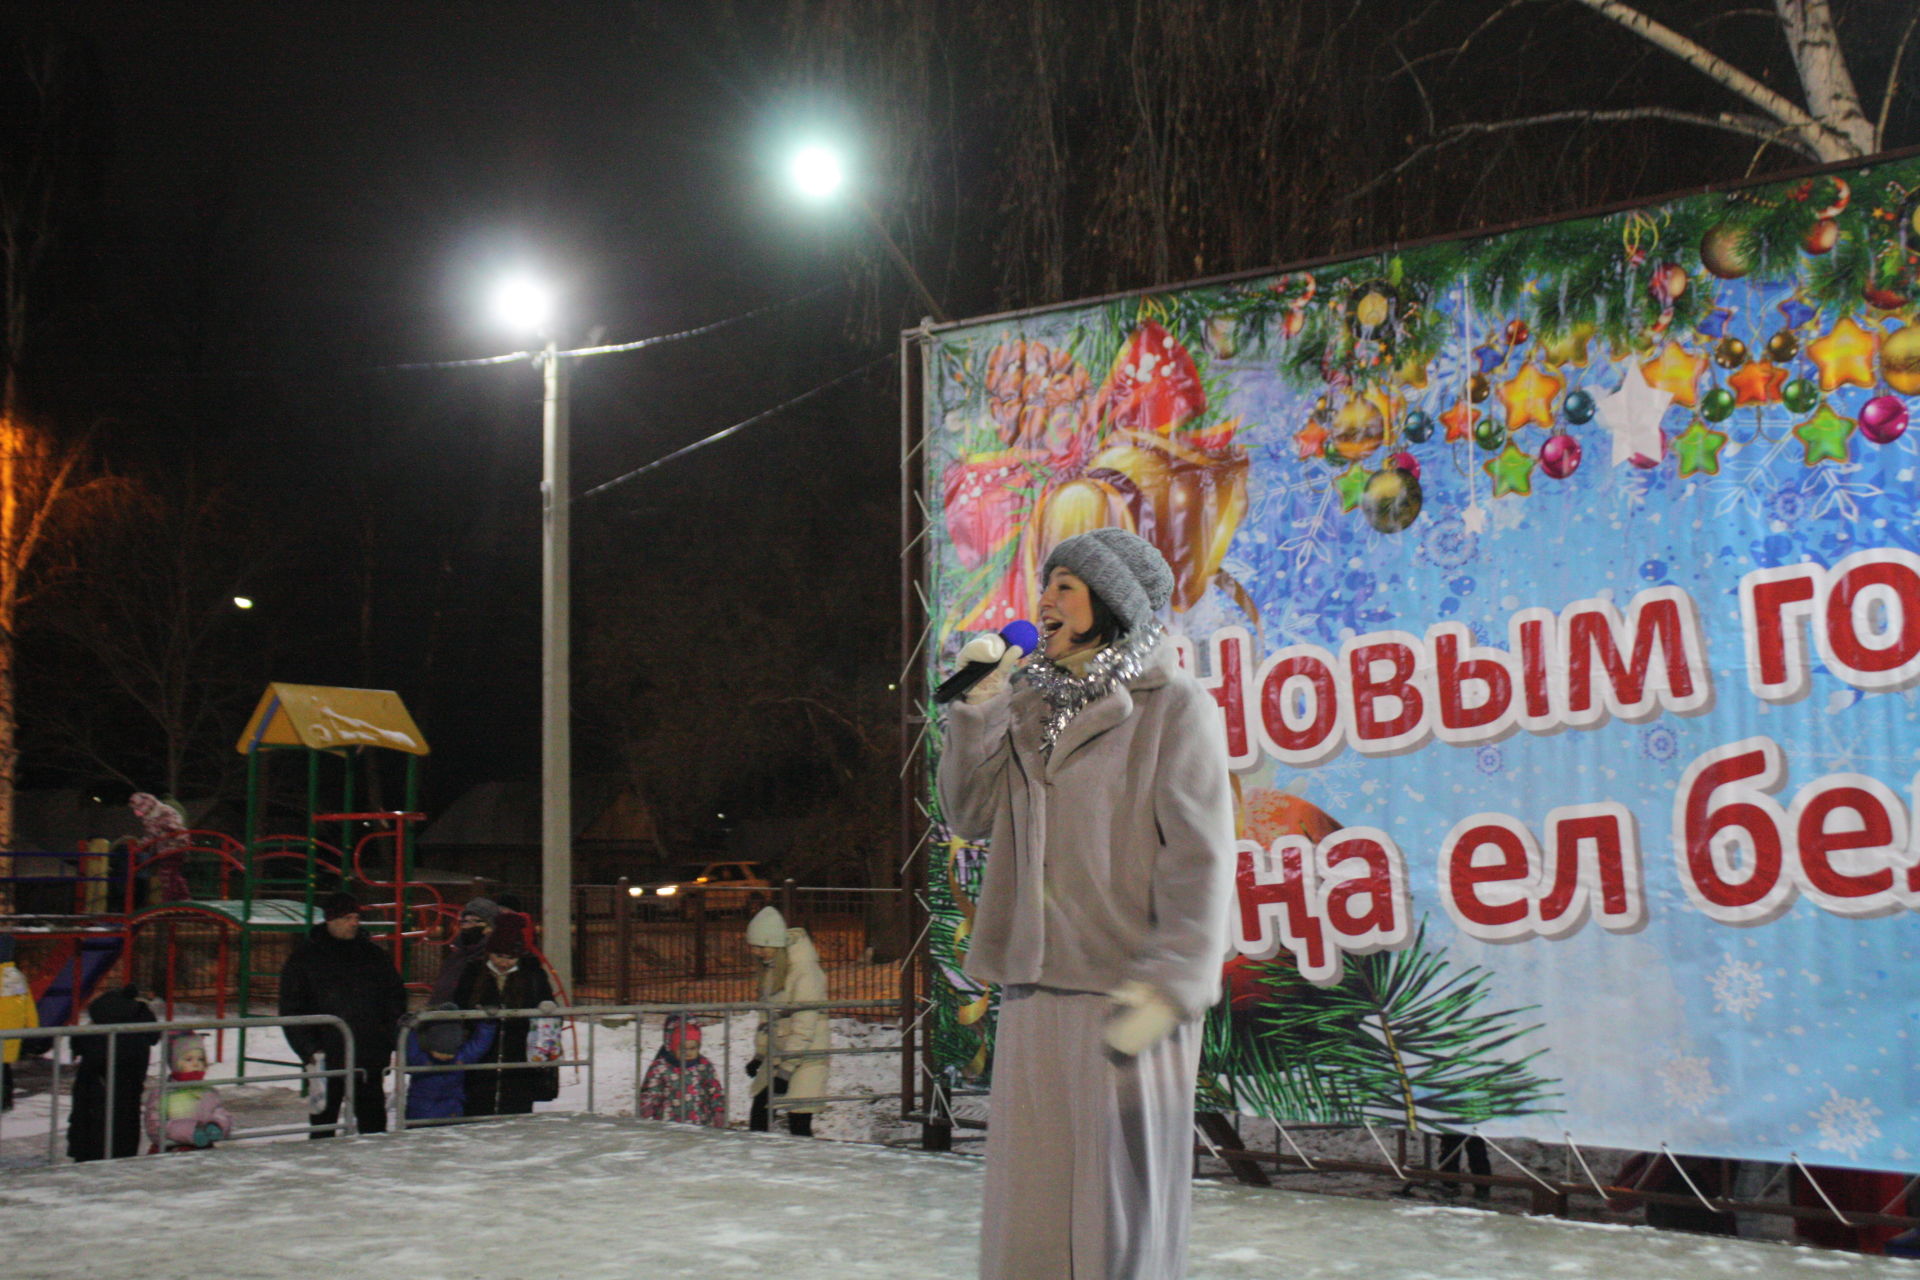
736, 428
614, 348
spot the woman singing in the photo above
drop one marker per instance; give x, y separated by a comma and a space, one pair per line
1098, 771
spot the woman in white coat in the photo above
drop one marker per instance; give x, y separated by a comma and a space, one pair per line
1097, 772
790, 975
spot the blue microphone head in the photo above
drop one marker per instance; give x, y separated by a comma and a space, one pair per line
1021, 635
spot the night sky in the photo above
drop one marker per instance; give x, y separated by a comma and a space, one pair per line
294, 198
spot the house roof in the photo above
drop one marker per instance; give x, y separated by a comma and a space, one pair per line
507, 812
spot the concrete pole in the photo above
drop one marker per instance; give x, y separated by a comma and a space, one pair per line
556, 703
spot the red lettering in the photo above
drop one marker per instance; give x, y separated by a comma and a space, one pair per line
1453, 675
1711, 836
1657, 622
1776, 657
1299, 739
1596, 865
1228, 685
1364, 889
1533, 639
1278, 887
1898, 590
1371, 689
1873, 828
1467, 871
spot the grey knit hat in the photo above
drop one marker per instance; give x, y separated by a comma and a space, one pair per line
443, 1037
485, 908
1126, 571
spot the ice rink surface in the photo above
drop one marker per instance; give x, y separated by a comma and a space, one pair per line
584, 1197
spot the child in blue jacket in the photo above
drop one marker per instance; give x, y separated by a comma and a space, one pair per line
442, 1095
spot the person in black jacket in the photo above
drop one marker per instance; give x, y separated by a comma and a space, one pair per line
129, 1054
507, 977
339, 971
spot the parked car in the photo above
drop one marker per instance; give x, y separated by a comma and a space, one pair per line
721, 887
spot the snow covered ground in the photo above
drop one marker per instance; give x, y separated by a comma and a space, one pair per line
597, 1196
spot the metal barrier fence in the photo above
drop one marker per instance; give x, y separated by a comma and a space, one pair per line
693, 946
595, 1016
311, 1077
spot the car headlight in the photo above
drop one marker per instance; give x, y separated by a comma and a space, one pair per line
667, 890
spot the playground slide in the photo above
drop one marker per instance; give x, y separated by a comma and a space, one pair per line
65, 986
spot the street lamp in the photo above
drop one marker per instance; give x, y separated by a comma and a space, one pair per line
527, 305
818, 172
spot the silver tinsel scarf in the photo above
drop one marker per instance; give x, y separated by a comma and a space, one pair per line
1067, 695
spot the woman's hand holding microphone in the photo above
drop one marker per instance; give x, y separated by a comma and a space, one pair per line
989, 647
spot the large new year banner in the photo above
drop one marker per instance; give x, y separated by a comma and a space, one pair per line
1560, 593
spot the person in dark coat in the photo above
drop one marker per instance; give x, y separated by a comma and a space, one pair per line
470, 944
508, 977
339, 971
129, 1054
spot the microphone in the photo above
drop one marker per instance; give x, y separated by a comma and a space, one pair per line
1021, 635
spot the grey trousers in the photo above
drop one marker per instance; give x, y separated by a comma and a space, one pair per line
1089, 1155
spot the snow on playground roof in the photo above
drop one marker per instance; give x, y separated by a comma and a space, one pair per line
326, 718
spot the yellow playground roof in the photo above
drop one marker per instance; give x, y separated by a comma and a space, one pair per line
325, 719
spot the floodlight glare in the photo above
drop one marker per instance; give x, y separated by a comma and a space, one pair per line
242, 602
817, 171
523, 304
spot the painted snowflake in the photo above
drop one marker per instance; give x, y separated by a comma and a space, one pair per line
1738, 987
1489, 760
1689, 1083
1447, 543
1659, 743
1846, 1124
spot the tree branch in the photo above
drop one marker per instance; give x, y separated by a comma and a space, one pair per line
1748, 126
1780, 107
1893, 78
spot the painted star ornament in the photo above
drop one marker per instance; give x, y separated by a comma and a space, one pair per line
1632, 414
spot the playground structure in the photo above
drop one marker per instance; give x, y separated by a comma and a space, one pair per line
261, 891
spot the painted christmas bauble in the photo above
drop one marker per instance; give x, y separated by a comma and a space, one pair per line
1391, 500
1418, 427
1560, 456
1371, 310
1783, 346
1821, 236
1578, 406
1359, 428
1730, 354
1900, 360
1331, 451
1883, 419
1727, 250
1406, 462
1516, 332
1478, 388
1800, 395
1718, 404
1489, 434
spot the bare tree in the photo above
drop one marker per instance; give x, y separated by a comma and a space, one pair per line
49, 158
172, 662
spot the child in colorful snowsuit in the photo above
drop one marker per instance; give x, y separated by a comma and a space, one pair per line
194, 1118
681, 1084
17, 1012
442, 1095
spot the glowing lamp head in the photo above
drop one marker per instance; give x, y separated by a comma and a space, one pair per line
523, 304
242, 602
817, 172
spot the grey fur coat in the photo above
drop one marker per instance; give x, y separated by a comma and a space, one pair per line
1111, 860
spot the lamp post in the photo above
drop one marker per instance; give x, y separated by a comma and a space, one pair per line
818, 173
527, 306
556, 693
